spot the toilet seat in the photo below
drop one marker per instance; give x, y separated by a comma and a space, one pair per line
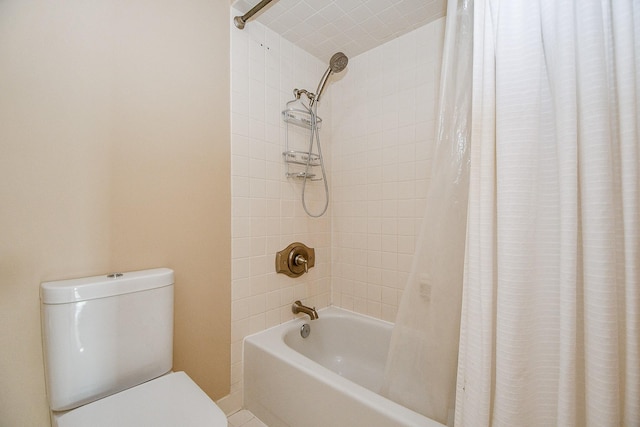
172, 400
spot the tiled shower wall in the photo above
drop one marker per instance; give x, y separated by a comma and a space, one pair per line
377, 136
384, 116
267, 213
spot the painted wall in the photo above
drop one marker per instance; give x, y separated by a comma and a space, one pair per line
114, 156
377, 136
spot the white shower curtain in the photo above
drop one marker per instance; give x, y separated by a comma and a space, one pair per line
421, 366
551, 302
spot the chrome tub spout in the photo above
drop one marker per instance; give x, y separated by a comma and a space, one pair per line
297, 307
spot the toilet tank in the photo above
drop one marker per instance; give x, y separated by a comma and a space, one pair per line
104, 334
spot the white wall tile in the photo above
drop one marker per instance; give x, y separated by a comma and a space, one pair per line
266, 209
383, 117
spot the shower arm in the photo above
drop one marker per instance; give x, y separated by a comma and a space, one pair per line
239, 21
298, 92
310, 96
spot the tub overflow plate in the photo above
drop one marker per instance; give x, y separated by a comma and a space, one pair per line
305, 330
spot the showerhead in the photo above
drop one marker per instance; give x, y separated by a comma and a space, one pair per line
337, 63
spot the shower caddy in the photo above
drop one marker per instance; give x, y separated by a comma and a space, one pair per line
300, 164
308, 119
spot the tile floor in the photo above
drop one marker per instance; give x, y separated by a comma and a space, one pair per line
244, 418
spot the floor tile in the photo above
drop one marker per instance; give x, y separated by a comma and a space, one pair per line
244, 418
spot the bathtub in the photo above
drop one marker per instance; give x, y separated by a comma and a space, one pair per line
329, 379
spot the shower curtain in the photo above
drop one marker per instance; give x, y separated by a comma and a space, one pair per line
551, 301
421, 366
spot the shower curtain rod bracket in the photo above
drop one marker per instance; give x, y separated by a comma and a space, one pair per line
240, 21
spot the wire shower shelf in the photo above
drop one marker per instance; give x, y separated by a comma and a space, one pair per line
297, 160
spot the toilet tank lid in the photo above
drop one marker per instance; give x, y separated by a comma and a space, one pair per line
87, 288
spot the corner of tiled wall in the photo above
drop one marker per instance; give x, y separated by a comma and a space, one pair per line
267, 213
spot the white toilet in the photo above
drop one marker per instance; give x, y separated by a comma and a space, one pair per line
108, 344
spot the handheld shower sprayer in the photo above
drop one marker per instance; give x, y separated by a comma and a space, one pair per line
337, 63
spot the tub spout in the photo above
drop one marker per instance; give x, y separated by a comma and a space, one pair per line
297, 307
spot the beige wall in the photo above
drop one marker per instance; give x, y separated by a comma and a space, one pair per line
114, 155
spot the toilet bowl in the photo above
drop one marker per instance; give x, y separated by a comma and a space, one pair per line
108, 344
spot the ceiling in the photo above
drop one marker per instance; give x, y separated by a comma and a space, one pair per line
323, 27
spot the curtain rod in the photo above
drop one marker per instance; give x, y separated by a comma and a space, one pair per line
241, 20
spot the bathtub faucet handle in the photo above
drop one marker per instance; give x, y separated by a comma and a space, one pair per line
301, 260
297, 307
295, 260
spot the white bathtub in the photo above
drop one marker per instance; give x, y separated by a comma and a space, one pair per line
329, 379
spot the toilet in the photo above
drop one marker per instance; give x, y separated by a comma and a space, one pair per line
108, 345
